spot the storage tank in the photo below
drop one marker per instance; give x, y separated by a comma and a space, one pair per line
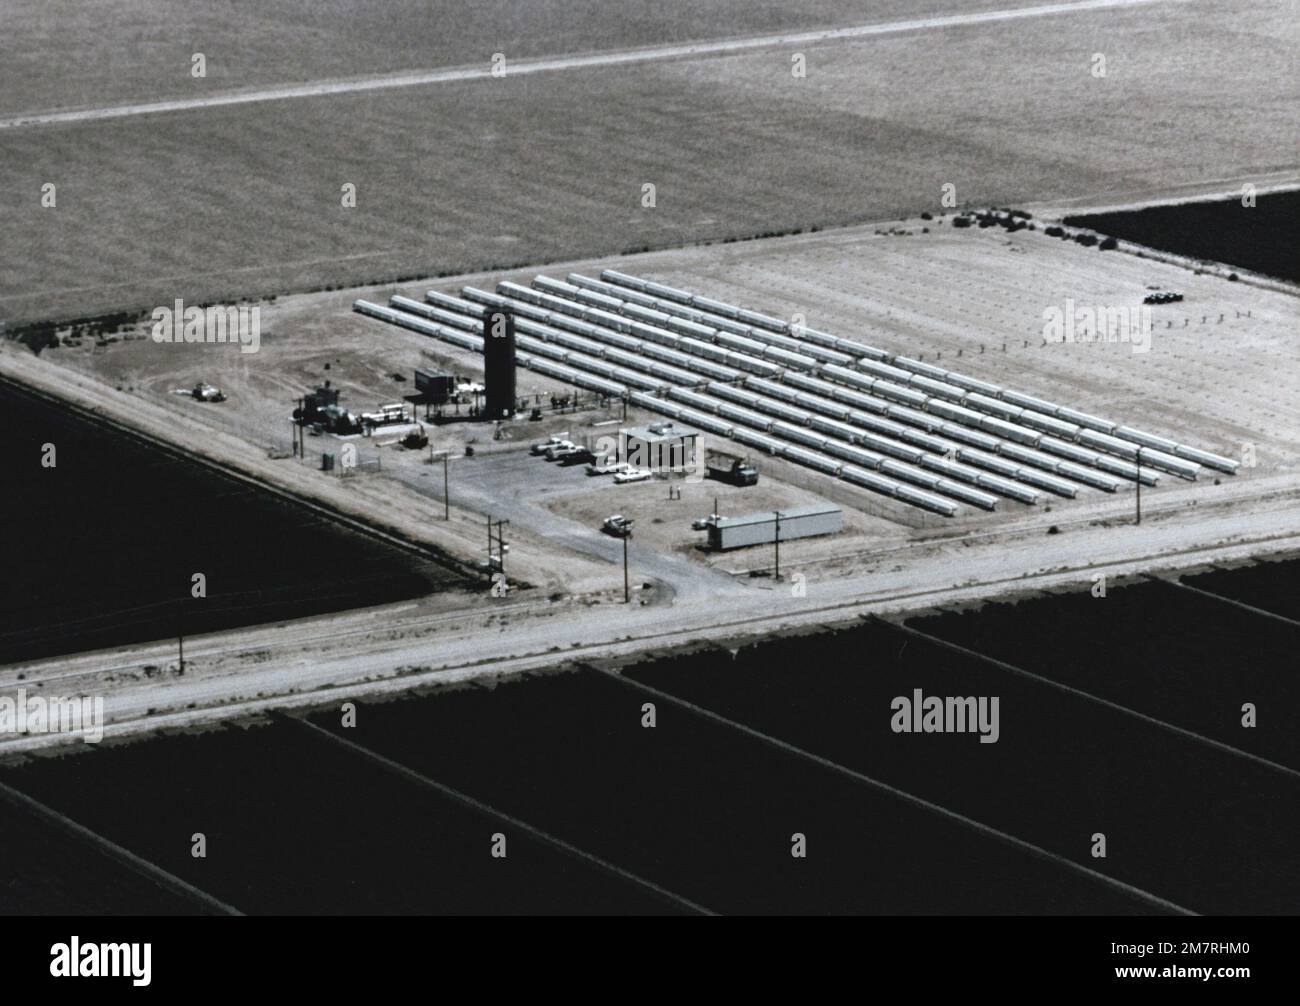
499, 363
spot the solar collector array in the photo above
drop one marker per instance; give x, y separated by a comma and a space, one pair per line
921, 401
758, 416
834, 405
753, 410
460, 333
1165, 450
1052, 484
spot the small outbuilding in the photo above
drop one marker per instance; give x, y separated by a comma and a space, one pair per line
660, 447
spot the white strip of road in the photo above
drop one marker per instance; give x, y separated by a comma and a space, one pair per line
555, 63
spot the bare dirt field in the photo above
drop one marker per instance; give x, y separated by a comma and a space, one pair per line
239, 201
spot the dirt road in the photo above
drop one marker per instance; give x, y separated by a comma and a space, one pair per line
557, 63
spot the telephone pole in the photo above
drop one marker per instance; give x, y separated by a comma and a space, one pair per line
778, 544
446, 490
627, 591
1139, 485
501, 544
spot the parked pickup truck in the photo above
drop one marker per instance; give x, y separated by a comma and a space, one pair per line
733, 471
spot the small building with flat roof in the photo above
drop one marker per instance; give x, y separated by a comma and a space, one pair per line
659, 447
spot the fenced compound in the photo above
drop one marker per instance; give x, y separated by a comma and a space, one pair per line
927, 437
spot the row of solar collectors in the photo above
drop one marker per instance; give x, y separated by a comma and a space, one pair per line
585, 370
854, 474
767, 414
981, 396
465, 340
1060, 461
888, 391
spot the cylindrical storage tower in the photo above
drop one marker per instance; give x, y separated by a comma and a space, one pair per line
499, 363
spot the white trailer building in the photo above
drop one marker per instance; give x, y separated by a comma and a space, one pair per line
761, 528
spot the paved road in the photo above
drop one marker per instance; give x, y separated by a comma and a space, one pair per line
383, 652
559, 63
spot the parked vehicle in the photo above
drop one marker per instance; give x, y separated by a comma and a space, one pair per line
558, 452
632, 475
542, 446
731, 469
606, 467
577, 456
617, 525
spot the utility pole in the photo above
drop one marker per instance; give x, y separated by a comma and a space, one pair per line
180, 642
446, 491
778, 544
627, 590
1139, 485
501, 544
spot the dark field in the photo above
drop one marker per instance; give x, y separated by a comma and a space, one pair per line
1149, 646
708, 812
47, 872
100, 550
1261, 238
294, 826
1258, 584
